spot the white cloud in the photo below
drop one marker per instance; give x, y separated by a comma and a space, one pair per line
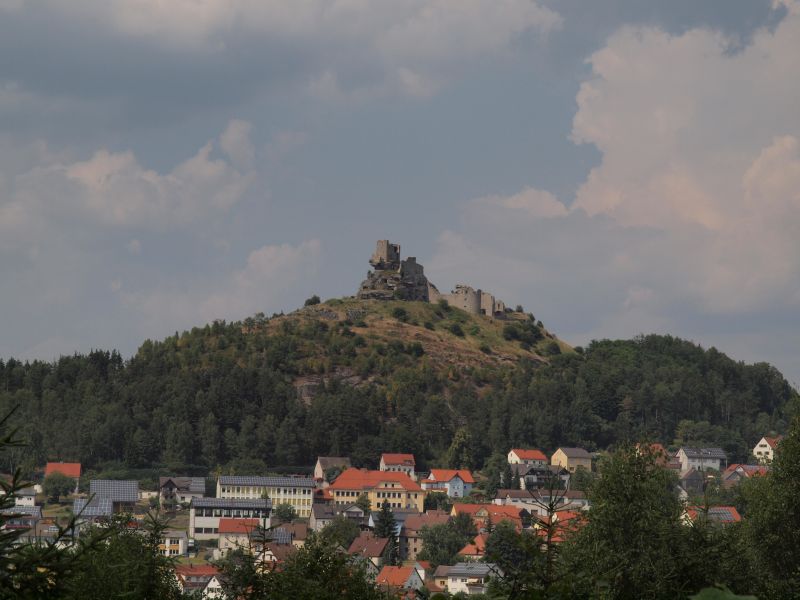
114, 189
692, 214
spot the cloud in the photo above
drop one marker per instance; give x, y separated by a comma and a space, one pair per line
114, 189
335, 48
271, 280
690, 219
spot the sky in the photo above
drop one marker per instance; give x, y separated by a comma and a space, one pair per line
616, 167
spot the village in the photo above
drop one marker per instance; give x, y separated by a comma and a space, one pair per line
269, 517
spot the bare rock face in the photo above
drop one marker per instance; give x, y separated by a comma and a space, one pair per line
393, 278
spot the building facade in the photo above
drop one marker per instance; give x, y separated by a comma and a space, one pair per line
205, 514
297, 491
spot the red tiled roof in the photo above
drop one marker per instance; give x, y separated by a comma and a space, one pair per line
361, 479
196, 570
525, 454
68, 469
398, 459
719, 514
477, 547
368, 545
448, 474
394, 576
773, 441
243, 526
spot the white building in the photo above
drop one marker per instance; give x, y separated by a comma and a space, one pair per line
455, 483
173, 543
205, 513
765, 449
400, 463
26, 497
297, 491
701, 459
522, 456
471, 577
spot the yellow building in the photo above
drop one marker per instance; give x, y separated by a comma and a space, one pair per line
396, 488
572, 458
297, 491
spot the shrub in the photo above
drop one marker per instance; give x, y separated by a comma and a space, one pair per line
485, 348
455, 329
312, 301
400, 313
429, 325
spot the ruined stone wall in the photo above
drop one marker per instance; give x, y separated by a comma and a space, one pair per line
465, 298
386, 255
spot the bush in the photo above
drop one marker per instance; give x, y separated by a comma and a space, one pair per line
429, 325
455, 329
400, 314
485, 348
552, 349
312, 301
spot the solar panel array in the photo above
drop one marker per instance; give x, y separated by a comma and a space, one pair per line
118, 490
231, 503
26, 511
720, 514
266, 481
97, 507
279, 536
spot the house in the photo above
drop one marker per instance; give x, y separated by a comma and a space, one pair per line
522, 456
177, 490
722, 515
329, 462
692, 482
455, 483
476, 549
764, 450
21, 517
205, 514
440, 576
370, 547
297, 491
538, 501
236, 533
199, 580
410, 538
533, 477
572, 458
401, 515
471, 577
26, 497
174, 542
736, 472
394, 487
295, 533
564, 523
123, 493
92, 509
393, 579
483, 514
701, 459
324, 514
273, 554
72, 470
399, 463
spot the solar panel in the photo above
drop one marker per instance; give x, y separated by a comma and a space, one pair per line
280, 536
266, 481
27, 511
118, 490
97, 507
231, 503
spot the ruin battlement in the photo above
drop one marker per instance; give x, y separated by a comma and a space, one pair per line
397, 279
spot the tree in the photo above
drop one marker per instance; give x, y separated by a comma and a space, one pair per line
364, 503
519, 557
773, 521
632, 546
341, 531
312, 301
317, 570
459, 455
441, 544
437, 501
284, 512
56, 485
386, 527
464, 525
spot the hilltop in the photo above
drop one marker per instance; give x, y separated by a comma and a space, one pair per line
359, 377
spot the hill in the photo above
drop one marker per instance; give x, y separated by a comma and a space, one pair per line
361, 377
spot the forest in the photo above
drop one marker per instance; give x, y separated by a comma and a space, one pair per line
224, 397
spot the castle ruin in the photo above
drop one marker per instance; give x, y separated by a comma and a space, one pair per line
396, 279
